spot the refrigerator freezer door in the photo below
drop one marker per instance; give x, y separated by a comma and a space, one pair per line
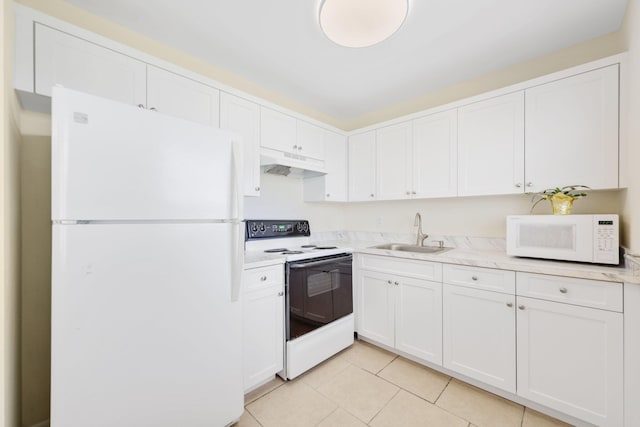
144, 332
112, 161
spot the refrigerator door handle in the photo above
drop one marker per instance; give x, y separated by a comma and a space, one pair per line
237, 179
237, 260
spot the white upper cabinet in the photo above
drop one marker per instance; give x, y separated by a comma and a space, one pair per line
435, 157
331, 187
491, 146
242, 116
572, 131
393, 154
362, 167
310, 139
281, 132
277, 131
178, 96
78, 64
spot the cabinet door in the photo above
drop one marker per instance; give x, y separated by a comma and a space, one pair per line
419, 318
263, 335
178, 96
479, 335
310, 140
435, 156
491, 146
331, 187
377, 307
393, 154
572, 131
78, 64
277, 131
570, 359
243, 117
362, 167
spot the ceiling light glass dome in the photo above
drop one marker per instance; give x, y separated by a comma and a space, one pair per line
361, 23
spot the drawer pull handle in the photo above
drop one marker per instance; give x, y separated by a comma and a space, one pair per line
521, 307
389, 282
474, 278
280, 293
396, 283
563, 290
509, 304
263, 278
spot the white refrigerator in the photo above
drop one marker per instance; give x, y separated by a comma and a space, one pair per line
147, 258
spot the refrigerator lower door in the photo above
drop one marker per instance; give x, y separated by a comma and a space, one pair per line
144, 330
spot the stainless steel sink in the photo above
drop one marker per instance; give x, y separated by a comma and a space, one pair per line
403, 247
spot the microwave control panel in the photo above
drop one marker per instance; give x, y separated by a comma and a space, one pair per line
606, 238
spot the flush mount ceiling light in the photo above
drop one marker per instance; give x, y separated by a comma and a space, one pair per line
361, 23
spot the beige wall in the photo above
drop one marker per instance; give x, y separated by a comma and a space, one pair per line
462, 216
36, 277
9, 230
631, 202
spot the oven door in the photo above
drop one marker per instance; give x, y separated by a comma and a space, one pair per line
319, 291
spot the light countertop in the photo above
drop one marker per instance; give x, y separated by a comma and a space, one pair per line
489, 255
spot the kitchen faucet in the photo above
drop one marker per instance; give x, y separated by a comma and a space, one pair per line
421, 236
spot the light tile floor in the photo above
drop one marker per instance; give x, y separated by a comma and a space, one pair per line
368, 386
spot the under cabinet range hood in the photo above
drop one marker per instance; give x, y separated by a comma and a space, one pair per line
288, 164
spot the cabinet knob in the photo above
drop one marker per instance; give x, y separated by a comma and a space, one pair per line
509, 304
413, 192
396, 283
257, 188
389, 282
328, 195
474, 278
518, 184
521, 307
563, 290
371, 195
299, 147
140, 105
153, 109
295, 147
280, 293
529, 184
263, 278
408, 192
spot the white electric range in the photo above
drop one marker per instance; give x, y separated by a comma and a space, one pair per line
319, 320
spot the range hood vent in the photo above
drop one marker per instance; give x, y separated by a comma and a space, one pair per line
291, 165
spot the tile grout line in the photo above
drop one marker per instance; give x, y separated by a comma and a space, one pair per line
385, 405
443, 389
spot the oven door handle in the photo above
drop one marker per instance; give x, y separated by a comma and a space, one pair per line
324, 261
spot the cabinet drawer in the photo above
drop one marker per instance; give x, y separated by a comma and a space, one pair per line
583, 292
481, 278
258, 278
419, 269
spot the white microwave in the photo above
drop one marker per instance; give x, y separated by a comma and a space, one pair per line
584, 238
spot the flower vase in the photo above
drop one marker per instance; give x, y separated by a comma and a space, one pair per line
561, 204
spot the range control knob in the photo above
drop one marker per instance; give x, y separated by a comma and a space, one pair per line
254, 227
305, 227
262, 228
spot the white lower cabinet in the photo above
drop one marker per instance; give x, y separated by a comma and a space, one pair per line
263, 325
555, 341
570, 358
401, 312
479, 335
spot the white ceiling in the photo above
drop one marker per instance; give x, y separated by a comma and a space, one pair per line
278, 43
